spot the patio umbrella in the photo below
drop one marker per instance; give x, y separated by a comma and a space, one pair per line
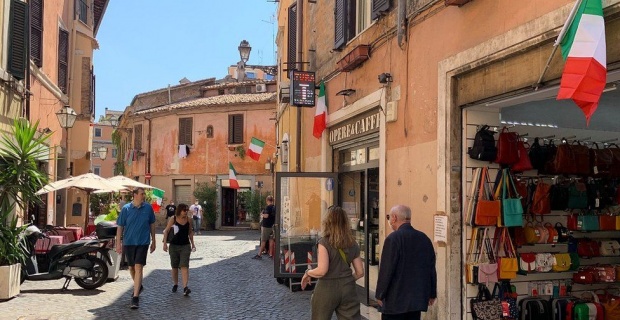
88, 183
130, 183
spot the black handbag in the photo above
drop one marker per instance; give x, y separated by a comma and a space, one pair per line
563, 232
559, 197
538, 155
486, 306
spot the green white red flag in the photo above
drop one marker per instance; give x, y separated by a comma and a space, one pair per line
583, 48
320, 115
256, 148
232, 176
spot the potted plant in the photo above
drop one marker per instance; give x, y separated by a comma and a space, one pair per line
206, 194
20, 178
254, 203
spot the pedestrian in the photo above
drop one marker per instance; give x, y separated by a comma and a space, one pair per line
336, 288
196, 210
135, 223
266, 229
170, 209
401, 293
181, 246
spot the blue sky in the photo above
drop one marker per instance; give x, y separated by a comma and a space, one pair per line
146, 45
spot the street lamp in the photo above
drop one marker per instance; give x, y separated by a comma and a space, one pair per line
244, 55
103, 152
66, 117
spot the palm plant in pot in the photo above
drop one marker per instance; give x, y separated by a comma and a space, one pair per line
206, 194
20, 178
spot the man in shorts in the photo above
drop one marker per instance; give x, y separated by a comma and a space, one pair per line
135, 225
266, 230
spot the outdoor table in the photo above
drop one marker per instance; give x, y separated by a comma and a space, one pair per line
44, 245
67, 234
77, 232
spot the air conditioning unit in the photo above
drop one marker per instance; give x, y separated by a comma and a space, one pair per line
285, 93
261, 87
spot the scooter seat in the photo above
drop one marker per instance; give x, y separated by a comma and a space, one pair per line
58, 248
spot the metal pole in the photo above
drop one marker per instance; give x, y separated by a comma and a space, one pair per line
300, 57
68, 165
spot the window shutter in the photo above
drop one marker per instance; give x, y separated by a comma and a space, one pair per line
185, 130
63, 59
137, 142
340, 24
238, 128
18, 39
292, 38
36, 32
379, 7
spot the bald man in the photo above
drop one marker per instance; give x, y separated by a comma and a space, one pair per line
407, 282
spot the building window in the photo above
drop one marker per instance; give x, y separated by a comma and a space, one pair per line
63, 59
36, 32
221, 92
185, 130
97, 170
235, 129
18, 39
82, 11
137, 137
114, 153
98, 132
353, 17
363, 15
209, 131
250, 75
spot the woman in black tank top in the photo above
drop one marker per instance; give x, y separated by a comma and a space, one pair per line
180, 234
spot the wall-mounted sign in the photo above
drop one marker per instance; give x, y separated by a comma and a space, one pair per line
355, 127
302, 88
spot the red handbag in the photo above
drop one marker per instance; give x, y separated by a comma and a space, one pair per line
572, 221
607, 222
507, 147
541, 201
584, 276
520, 237
588, 248
524, 163
553, 233
604, 273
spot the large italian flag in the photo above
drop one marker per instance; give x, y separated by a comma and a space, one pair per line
232, 176
256, 148
584, 49
320, 115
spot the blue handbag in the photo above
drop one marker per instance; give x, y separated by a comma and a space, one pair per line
588, 222
577, 196
512, 208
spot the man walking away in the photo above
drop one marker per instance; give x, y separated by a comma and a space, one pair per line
266, 230
171, 209
135, 223
401, 293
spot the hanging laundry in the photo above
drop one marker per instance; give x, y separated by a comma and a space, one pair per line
182, 151
135, 155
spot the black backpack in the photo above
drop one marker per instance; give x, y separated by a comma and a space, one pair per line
484, 145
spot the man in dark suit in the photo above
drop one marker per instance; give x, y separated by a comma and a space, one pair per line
407, 283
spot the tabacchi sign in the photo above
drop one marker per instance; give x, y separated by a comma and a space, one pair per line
355, 127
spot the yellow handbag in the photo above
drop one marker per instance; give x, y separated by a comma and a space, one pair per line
561, 262
532, 234
617, 222
508, 264
508, 268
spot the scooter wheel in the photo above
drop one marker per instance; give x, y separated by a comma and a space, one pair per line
23, 276
99, 277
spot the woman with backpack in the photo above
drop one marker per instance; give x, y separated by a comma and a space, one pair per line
335, 289
180, 234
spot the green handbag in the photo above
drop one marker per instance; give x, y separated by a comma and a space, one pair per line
577, 196
512, 209
574, 261
588, 222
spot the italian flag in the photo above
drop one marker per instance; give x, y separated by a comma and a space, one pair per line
158, 196
232, 176
584, 50
320, 115
256, 148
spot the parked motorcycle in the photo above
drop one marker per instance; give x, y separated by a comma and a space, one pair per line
82, 260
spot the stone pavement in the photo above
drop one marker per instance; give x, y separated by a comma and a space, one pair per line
226, 284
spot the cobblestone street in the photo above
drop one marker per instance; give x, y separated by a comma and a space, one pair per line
226, 284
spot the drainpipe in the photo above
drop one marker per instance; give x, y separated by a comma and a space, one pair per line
147, 162
300, 66
402, 22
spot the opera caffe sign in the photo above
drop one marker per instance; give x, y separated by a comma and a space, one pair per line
355, 127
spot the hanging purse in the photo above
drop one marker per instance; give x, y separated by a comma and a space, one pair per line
588, 222
562, 232
527, 262
553, 233
487, 267
532, 235
601, 161
607, 222
564, 160
538, 155
558, 197
524, 163
540, 201
472, 199
475, 248
487, 209
581, 155
507, 261
486, 306
588, 248
577, 196
561, 262
584, 276
575, 261
512, 209
507, 148
615, 168
544, 262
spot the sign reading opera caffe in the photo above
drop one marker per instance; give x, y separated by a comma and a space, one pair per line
355, 127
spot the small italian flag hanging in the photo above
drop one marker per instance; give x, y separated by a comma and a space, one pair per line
158, 197
584, 49
232, 176
320, 115
256, 148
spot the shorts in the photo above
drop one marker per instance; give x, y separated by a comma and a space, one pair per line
179, 255
265, 233
136, 254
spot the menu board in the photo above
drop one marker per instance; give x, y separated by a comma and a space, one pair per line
302, 88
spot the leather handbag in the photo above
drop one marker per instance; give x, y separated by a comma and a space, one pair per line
524, 163
532, 234
607, 222
561, 262
487, 209
601, 161
541, 203
558, 197
562, 232
543, 232
583, 276
610, 248
551, 150
486, 306
544, 262
577, 196
615, 168
588, 222
512, 209
572, 221
538, 155
523, 192
611, 304
604, 273
507, 261
519, 236
507, 147
553, 233
487, 273
475, 249
527, 262
575, 261
588, 248
581, 155
564, 160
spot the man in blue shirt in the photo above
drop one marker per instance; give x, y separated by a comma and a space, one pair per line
135, 224
407, 282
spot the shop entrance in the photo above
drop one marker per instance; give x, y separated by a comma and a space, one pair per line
229, 208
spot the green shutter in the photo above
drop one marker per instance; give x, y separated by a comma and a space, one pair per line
18, 39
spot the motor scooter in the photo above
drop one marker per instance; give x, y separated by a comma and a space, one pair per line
82, 260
